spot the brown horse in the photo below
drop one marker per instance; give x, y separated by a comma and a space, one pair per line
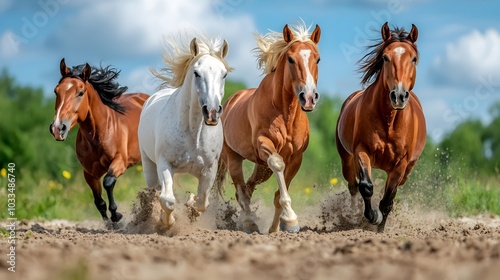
383, 126
107, 137
268, 125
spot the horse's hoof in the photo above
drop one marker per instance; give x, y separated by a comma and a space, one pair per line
250, 227
377, 217
291, 227
116, 218
168, 223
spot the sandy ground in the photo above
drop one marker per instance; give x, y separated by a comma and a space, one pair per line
330, 245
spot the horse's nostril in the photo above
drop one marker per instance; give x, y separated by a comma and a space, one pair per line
316, 96
393, 96
407, 95
220, 109
63, 127
204, 109
301, 97
50, 128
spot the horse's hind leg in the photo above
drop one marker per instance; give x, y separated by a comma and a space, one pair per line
349, 173
234, 165
95, 185
365, 185
116, 169
150, 171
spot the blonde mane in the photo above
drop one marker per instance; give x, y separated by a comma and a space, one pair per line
271, 46
178, 58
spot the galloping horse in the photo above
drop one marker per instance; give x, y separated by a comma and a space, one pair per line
179, 129
268, 125
383, 126
107, 137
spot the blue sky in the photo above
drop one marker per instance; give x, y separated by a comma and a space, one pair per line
459, 42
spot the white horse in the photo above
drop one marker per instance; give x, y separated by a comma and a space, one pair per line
179, 129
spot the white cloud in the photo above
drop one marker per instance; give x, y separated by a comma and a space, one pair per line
133, 29
9, 45
471, 58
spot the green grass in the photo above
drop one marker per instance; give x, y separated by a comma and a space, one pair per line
71, 198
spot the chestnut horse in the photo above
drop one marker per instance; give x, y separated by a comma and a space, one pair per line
268, 125
107, 137
383, 126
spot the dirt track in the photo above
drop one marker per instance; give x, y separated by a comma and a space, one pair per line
412, 247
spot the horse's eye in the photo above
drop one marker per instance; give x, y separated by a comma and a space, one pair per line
385, 58
317, 62
290, 59
80, 94
196, 74
414, 60
55, 92
225, 75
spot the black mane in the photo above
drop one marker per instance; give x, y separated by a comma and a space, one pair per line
103, 81
372, 62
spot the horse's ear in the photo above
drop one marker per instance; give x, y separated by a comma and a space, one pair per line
287, 34
64, 68
413, 35
194, 47
86, 72
224, 49
316, 34
386, 32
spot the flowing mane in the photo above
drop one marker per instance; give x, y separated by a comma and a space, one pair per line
103, 81
271, 46
178, 58
372, 62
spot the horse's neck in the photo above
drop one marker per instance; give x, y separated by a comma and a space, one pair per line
96, 121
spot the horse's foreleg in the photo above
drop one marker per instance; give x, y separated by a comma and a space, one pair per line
205, 182
116, 169
282, 201
365, 186
95, 185
167, 198
394, 179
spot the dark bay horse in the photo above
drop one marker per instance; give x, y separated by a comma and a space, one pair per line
107, 138
268, 125
383, 126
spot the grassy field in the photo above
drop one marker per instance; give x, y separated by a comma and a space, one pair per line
69, 197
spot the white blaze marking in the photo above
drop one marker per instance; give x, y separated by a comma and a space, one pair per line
68, 86
399, 51
400, 87
309, 79
58, 121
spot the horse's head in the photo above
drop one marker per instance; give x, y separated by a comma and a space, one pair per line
399, 65
71, 101
209, 73
302, 64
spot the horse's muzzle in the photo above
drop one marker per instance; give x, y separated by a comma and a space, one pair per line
308, 101
211, 116
399, 99
59, 132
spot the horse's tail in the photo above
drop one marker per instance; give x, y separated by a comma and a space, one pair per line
220, 178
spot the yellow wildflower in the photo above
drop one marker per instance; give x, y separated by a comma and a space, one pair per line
334, 181
307, 190
66, 174
3, 172
138, 167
